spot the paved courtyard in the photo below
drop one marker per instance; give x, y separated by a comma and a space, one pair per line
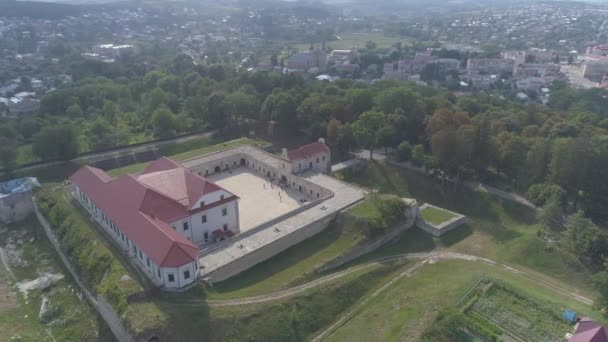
260, 200
344, 196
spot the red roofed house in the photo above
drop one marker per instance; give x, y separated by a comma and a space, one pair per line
588, 330
160, 217
315, 156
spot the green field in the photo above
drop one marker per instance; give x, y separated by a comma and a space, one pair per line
436, 216
408, 307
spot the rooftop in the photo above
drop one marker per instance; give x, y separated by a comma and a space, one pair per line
17, 186
143, 205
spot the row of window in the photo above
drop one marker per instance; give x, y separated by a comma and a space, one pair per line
138, 253
309, 164
203, 202
185, 225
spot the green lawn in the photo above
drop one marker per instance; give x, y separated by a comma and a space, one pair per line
436, 216
293, 266
190, 150
497, 229
411, 304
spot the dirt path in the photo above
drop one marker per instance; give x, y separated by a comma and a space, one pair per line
477, 186
430, 257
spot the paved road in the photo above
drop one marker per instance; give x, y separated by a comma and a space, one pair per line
88, 158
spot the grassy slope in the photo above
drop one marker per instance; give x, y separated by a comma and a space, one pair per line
402, 312
297, 318
76, 321
139, 316
295, 265
497, 229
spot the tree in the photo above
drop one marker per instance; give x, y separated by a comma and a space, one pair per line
360, 100
585, 239
418, 155
570, 164
101, 135
241, 106
445, 146
366, 129
404, 151
370, 45
8, 154
281, 107
56, 143
332, 131
215, 113
164, 123
110, 110
551, 213
345, 139
537, 160
74, 111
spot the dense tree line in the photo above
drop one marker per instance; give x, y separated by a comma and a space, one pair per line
561, 145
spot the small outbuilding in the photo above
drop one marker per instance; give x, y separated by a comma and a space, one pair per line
16, 199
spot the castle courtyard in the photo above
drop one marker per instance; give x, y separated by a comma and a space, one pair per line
260, 199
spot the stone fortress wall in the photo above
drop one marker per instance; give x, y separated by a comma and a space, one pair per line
264, 163
327, 197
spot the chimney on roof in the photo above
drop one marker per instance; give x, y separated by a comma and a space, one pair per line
284, 153
322, 141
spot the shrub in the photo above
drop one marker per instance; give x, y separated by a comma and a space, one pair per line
418, 155
404, 151
539, 194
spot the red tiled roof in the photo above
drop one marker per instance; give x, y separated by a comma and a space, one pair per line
161, 164
307, 151
589, 330
141, 205
179, 184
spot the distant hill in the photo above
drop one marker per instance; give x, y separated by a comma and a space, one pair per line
35, 9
